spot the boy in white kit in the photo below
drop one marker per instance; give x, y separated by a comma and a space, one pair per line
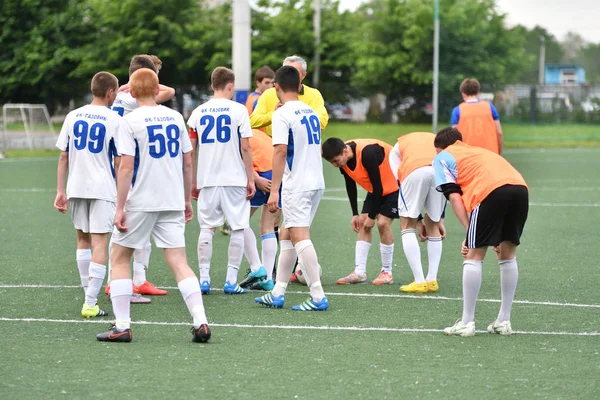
224, 177
87, 147
152, 199
298, 167
123, 105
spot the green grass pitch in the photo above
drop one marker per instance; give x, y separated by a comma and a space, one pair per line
373, 342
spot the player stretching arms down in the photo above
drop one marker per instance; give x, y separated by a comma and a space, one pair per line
224, 177
410, 161
365, 161
87, 146
152, 200
124, 104
482, 183
297, 166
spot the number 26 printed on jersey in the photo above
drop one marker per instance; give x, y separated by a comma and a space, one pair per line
222, 123
160, 143
313, 129
88, 136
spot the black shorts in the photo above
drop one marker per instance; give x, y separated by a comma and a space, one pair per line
389, 205
500, 217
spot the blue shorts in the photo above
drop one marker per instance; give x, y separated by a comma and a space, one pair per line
260, 198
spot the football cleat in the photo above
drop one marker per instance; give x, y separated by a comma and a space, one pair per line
233, 288
148, 288
225, 228
115, 335
460, 329
254, 277
270, 301
384, 278
202, 334
205, 287
90, 312
432, 287
311, 305
139, 299
265, 284
352, 278
500, 327
107, 290
294, 278
414, 287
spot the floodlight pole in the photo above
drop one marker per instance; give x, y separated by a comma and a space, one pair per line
241, 57
317, 32
436, 62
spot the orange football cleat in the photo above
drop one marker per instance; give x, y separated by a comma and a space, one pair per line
148, 288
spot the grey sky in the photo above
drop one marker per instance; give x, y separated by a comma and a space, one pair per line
557, 16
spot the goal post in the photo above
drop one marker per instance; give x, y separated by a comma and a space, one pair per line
26, 126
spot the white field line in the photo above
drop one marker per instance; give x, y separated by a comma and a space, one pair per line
289, 327
374, 295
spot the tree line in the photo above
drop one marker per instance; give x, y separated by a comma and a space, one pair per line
51, 48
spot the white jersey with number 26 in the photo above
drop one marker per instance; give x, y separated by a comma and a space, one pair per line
220, 125
297, 125
156, 136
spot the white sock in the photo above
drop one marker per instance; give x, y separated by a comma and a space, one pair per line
235, 254
434, 255
285, 266
269, 252
205, 253
250, 249
308, 260
387, 257
97, 275
120, 297
361, 253
471, 285
509, 275
190, 291
141, 259
84, 257
410, 243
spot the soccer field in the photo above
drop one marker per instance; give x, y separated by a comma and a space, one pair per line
373, 342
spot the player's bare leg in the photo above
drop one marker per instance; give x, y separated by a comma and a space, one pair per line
189, 286
412, 251
434, 253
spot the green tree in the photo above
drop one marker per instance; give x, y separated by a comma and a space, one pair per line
532, 42
41, 44
589, 57
395, 53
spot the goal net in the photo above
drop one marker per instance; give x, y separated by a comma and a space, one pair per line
26, 126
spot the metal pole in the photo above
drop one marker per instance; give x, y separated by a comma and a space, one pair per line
542, 65
436, 62
241, 59
317, 31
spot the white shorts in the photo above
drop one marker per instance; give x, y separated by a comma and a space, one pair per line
220, 202
92, 215
166, 227
418, 191
299, 208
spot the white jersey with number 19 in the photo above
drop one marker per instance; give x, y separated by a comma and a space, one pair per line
297, 125
220, 125
88, 135
157, 138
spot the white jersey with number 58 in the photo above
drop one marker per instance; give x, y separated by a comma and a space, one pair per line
297, 125
157, 138
220, 124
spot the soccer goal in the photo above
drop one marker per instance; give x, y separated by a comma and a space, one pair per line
26, 126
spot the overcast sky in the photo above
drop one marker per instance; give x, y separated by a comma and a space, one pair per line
557, 16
